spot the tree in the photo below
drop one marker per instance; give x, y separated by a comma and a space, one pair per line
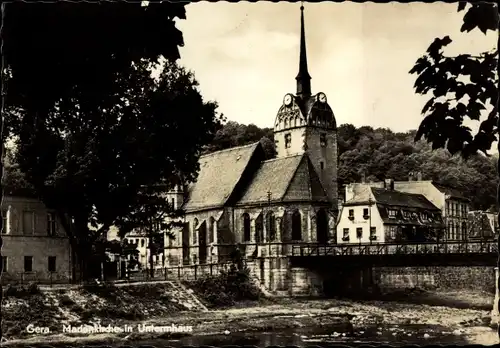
90, 164
235, 134
445, 112
451, 80
76, 53
155, 217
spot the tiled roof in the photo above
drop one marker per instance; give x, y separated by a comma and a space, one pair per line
402, 199
219, 174
291, 178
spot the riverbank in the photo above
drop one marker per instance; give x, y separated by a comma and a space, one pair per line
340, 318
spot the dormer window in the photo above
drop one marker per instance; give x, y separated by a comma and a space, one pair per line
288, 141
406, 215
322, 139
392, 213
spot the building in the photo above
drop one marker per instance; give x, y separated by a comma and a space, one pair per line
241, 198
482, 225
384, 215
35, 244
453, 205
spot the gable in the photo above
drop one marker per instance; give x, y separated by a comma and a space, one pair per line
220, 172
273, 176
305, 184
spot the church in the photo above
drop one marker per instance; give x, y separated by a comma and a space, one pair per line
241, 198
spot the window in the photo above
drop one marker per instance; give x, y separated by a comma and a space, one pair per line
143, 242
365, 212
246, 227
322, 165
296, 226
392, 231
51, 224
271, 226
373, 232
424, 217
288, 140
359, 232
211, 234
28, 222
195, 226
52, 263
28, 263
4, 221
406, 214
3, 266
351, 214
321, 226
172, 203
464, 230
259, 229
345, 235
322, 139
392, 213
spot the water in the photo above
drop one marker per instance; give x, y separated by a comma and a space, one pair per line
395, 335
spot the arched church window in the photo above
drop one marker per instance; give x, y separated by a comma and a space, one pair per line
464, 230
211, 234
259, 229
286, 122
271, 226
296, 226
246, 227
321, 226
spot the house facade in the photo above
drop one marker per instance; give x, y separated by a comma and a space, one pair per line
453, 205
35, 245
384, 215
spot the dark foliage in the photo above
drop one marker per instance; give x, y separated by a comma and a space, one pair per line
460, 87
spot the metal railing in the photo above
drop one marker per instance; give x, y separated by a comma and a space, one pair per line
446, 247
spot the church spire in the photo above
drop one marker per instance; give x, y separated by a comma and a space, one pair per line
303, 78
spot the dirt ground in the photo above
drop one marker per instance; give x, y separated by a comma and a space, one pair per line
467, 314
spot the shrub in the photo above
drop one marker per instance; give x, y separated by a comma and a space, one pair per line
33, 289
227, 288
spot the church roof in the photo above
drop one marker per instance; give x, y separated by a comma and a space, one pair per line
288, 179
219, 174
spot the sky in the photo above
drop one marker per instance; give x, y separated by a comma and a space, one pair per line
246, 56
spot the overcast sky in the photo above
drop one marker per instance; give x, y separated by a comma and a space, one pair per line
245, 56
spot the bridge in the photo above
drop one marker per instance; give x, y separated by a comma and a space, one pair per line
453, 253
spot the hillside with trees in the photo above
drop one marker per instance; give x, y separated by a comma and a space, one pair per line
380, 153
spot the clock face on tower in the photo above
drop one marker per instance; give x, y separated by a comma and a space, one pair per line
288, 100
322, 97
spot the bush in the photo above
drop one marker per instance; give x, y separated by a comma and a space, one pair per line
227, 288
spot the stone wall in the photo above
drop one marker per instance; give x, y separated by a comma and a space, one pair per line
452, 278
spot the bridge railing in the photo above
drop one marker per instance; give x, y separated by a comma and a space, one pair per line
445, 247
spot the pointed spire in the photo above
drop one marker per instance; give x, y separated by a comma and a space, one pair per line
303, 78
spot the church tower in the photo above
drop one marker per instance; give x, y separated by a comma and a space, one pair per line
305, 124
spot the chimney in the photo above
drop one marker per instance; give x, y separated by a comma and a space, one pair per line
410, 176
389, 184
419, 176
